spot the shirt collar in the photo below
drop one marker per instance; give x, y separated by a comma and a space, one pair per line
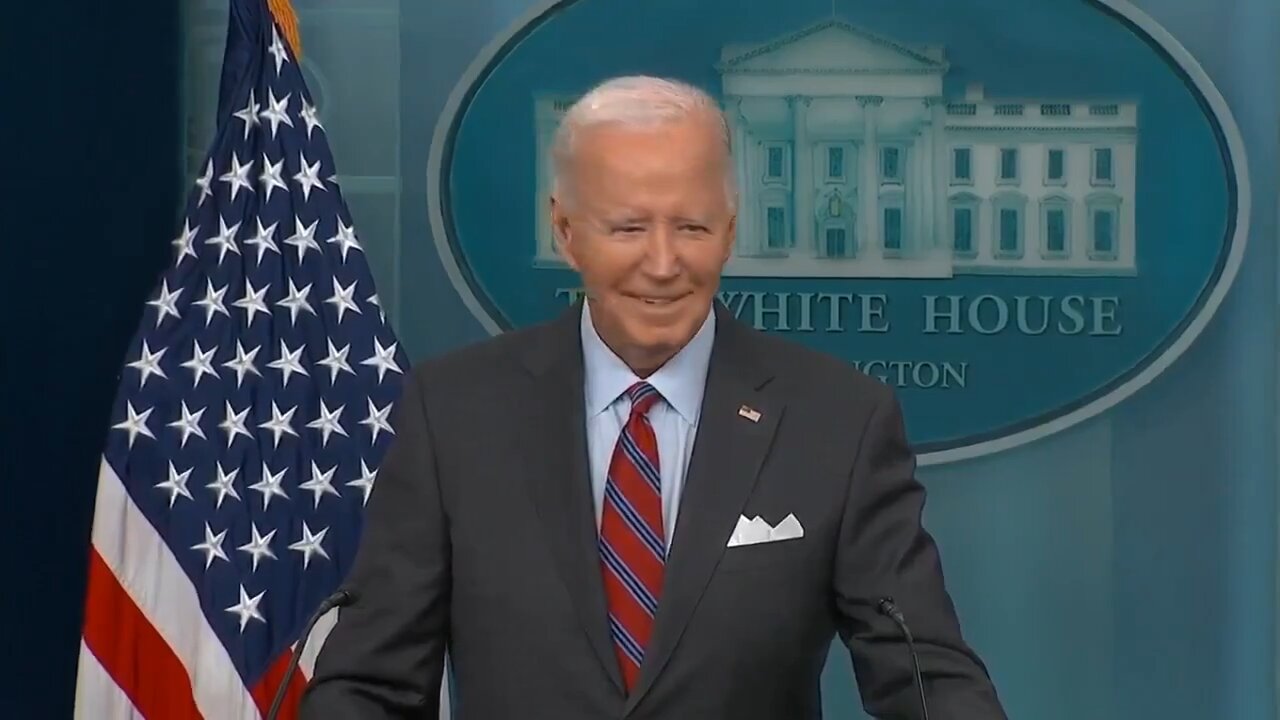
681, 381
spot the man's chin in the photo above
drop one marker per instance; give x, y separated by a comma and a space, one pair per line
662, 346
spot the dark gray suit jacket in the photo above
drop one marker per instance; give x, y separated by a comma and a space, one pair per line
480, 540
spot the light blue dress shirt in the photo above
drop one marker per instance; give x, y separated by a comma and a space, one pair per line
680, 382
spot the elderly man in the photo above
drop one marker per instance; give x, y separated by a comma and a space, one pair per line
643, 508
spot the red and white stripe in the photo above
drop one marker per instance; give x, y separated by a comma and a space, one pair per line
147, 650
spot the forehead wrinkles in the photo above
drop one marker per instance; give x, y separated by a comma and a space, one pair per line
619, 172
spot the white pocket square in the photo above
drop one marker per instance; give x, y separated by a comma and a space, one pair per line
756, 530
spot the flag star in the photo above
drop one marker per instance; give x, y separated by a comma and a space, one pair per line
383, 358
277, 49
378, 420
376, 302
233, 424
310, 544
321, 483
148, 363
247, 608
201, 363
345, 239
212, 302
308, 176
225, 484
252, 302
279, 424
135, 424
189, 424
277, 112
289, 362
243, 363
184, 242
225, 239
272, 176
212, 546
265, 240
328, 423
238, 176
365, 481
167, 302
296, 302
205, 183
176, 484
249, 114
260, 546
337, 361
343, 298
308, 115
303, 237
270, 486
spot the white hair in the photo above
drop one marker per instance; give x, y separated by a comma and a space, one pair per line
638, 101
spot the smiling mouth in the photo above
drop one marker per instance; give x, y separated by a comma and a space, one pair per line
657, 301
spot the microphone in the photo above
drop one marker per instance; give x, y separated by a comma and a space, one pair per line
887, 607
340, 598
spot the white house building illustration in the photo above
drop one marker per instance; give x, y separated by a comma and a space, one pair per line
852, 163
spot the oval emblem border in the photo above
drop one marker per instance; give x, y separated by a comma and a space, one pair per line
1176, 342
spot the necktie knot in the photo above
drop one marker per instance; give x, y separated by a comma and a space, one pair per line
642, 396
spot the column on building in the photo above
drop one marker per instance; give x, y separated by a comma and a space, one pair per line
802, 180
748, 241
871, 245
926, 239
1080, 224
917, 193
939, 173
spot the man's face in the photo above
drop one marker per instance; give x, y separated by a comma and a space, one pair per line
648, 225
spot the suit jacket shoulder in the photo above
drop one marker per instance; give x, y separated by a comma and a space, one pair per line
476, 371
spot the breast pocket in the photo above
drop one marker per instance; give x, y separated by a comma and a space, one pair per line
775, 555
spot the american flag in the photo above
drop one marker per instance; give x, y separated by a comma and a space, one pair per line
252, 414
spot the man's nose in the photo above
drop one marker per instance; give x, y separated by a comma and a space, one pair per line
661, 259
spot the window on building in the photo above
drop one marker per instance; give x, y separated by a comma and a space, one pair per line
1103, 172
837, 242
964, 224
1008, 165
835, 163
776, 235
1104, 232
1055, 226
1056, 231
1055, 172
891, 164
893, 228
775, 162
962, 230
962, 165
1104, 226
1010, 224
1009, 213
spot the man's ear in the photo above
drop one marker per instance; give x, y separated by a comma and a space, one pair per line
562, 231
732, 234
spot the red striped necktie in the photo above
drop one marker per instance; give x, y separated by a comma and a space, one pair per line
632, 547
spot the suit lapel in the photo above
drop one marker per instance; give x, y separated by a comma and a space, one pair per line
728, 452
559, 478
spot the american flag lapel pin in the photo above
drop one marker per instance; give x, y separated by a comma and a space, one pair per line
749, 413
